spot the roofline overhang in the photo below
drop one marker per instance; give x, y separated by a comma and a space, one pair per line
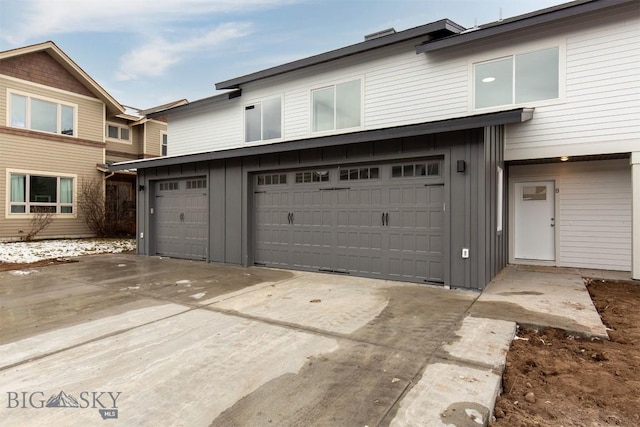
73, 68
517, 115
215, 99
443, 25
543, 16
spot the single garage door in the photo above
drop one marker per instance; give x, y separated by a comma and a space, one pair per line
383, 221
181, 218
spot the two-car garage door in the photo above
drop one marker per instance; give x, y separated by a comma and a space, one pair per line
384, 220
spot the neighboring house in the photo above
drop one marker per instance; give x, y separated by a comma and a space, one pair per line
58, 130
436, 154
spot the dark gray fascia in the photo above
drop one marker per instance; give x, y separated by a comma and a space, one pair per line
517, 115
216, 99
542, 16
441, 28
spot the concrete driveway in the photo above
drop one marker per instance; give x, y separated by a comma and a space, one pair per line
128, 340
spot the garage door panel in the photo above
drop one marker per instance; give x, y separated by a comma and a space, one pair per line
435, 194
435, 245
436, 219
436, 271
181, 217
366, 224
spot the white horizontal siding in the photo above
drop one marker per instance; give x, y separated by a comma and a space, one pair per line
400, 88
599, 109
594, 211
205, 129
600, 112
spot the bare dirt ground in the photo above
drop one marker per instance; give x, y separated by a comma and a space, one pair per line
555, 379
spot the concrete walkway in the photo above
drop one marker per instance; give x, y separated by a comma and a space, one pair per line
151, 341
543, 297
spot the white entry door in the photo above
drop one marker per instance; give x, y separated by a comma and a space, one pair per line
535, 220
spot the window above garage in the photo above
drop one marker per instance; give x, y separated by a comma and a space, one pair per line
337, 106
517, 79
263, 120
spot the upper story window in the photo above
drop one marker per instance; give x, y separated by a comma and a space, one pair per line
337, 106
42, 115
516, 79
263, 120
118, 132
30, 193
165, 140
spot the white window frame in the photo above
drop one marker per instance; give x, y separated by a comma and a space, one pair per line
27, 125
505, 53
333, 85
164, 148
260, 102
27, 203
120, 127
499, 201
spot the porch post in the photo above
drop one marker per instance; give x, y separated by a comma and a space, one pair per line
635, 213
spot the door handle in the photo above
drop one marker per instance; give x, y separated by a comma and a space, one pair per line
383, 218
553, 222
387, 218
289, 217
182, 217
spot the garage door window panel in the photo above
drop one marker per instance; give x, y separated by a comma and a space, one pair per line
430, 169
356, 174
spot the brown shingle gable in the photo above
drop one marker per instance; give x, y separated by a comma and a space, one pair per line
40, 67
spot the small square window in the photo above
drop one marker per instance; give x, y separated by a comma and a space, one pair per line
112, 131
538, 192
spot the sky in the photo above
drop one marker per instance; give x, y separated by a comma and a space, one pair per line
147, 53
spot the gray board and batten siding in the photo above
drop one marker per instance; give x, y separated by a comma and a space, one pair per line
233, 207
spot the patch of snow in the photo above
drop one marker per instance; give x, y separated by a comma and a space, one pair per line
22, 272
122, 265
183, 282
25, 252
198, 295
